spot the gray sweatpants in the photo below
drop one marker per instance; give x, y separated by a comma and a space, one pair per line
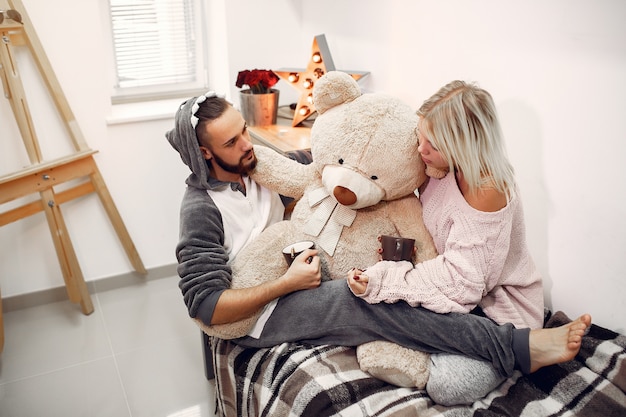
331, 314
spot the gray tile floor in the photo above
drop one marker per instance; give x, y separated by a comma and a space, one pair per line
137, 355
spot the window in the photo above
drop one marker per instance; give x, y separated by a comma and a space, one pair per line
157, 49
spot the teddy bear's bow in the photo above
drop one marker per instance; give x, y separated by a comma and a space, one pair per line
328, 219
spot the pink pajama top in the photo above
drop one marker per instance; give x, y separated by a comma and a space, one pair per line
483, 261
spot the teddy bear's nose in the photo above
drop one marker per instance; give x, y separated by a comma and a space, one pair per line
344, 196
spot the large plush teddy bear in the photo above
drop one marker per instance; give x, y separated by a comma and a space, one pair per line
359, 186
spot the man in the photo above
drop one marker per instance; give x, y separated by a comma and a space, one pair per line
227, 210
223, 209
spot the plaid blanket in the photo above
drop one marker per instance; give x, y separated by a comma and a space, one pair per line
300, 380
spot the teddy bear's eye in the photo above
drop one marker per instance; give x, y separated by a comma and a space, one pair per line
374, 177
340, 161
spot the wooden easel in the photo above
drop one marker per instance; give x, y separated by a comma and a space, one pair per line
42, 176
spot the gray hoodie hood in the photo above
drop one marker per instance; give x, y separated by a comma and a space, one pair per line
183, 139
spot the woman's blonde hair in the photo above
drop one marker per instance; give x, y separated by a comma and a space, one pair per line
462, 124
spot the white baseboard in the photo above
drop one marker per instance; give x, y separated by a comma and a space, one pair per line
52, 295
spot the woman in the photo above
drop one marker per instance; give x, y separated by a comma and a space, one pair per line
475, 216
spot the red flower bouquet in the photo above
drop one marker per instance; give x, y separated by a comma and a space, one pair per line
259, 81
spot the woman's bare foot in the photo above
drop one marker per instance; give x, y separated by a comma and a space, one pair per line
557, 345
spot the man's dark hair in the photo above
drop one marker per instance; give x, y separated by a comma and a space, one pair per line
209, 110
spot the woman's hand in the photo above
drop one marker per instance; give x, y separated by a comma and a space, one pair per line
357, 281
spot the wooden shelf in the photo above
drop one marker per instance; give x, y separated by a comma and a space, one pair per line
282, 138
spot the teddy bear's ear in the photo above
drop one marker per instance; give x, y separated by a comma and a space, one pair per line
334, 88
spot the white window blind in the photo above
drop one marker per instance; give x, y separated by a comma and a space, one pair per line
156, 47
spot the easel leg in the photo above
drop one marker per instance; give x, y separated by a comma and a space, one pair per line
1, 326
72, 274
116, 220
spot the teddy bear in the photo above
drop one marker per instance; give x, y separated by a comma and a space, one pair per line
360, 185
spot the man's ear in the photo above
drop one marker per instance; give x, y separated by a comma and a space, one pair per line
206, 153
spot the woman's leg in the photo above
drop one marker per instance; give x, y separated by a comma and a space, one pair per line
331, 314
456, 379
557, 345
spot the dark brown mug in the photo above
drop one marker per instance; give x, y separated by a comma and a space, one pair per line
397, 248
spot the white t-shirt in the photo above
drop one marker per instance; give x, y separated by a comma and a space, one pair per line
244, 218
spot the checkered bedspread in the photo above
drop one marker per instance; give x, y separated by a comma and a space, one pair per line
301, 380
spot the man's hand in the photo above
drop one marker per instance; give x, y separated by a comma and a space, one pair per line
357, 281
304, 273
236, 304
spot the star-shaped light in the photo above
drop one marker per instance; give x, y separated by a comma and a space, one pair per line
303, 80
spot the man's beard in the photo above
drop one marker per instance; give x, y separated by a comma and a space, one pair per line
240, 168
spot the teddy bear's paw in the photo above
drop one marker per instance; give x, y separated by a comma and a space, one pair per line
394, 364
435, 172
394, 377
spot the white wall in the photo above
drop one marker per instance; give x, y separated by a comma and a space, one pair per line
555, 68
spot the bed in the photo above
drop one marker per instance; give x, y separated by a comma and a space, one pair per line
301, 380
